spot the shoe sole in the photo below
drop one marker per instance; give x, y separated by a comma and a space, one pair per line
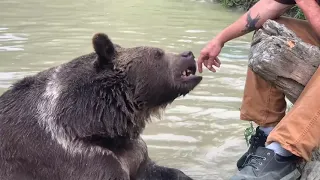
294, 175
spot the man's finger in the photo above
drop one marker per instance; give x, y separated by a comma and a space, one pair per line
218, 61
199, 62
210, 62
205, 63
215, 63
212, 69
209, 65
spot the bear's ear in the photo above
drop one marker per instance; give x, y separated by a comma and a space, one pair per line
104, 49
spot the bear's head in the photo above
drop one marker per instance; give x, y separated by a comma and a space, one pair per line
114, 91
157, 77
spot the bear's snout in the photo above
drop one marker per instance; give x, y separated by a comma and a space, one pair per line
187, 55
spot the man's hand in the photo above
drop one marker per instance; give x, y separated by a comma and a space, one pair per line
209, 55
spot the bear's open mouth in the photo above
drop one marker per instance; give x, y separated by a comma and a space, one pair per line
189, 72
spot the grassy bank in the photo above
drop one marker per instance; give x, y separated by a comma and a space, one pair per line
246, 4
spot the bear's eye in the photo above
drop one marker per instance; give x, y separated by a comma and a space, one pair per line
158, 54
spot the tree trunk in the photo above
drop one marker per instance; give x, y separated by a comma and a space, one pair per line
283, 59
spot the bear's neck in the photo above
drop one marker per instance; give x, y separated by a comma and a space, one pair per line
112, 144
104, 107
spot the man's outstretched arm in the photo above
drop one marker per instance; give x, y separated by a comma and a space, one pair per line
311, 10
251, 20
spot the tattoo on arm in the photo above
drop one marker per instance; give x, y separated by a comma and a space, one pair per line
251, 23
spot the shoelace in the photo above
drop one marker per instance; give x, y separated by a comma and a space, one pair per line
254, 160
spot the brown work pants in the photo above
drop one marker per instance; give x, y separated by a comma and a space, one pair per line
299, 130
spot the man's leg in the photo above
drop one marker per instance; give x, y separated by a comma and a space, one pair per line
262, 103
265, 105
298, 131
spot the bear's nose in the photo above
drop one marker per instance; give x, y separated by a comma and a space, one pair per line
187, 54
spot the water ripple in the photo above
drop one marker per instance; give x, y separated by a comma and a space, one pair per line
170, 137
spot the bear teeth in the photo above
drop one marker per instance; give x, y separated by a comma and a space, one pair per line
186, 72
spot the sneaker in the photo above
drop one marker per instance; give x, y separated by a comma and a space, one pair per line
265, 164
257, 140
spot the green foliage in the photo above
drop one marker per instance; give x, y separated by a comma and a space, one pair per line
245, 4
294, 12
248, 132
297, 13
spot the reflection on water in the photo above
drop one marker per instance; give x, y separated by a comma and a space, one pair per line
200, 133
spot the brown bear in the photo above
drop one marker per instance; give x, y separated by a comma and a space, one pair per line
82, 120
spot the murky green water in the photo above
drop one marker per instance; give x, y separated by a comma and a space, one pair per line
201, 133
